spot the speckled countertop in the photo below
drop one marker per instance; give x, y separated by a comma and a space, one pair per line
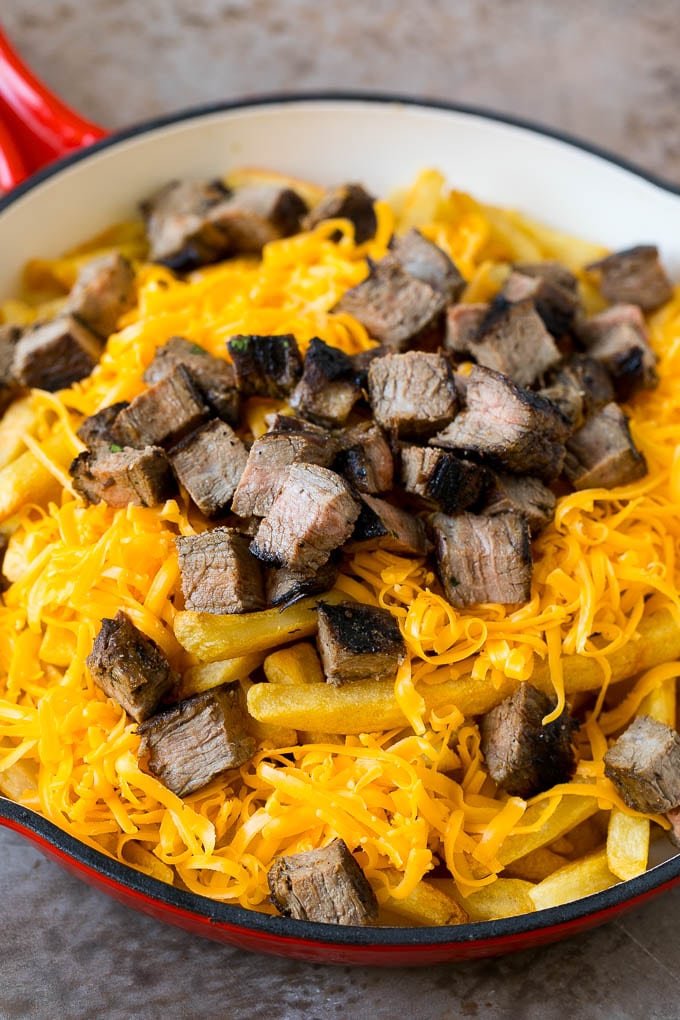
607, 71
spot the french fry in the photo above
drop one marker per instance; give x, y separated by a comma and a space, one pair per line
144, 860
574, 252
269, 733
580, 878
570, 812
19, 418
506, 897
364, 706
319, 737
28, 480
296, 664
424, 905
19, 779
660, 703
207, 675
247, 176
584, 837
536, 865
627, 844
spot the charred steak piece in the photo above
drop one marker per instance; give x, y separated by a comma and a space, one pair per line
381, 524
361, 362
523, 756
95, 431
513, 428
358, 642
634, 276
163, 414
394, 306
552, 289
463, 323
123, 476
56, 354
130, 668
285, 587
618, 340
326, 886
579, 386
209, 464
513, 339
313, 514
644, 766
188, 746
213, 377
347, 202
219, 573
279, 422
526, 496
365, 458
104, 290
328, 390
268, 463
602, 453
256, 214
428, 262
413, 394
483, 559
441, 479
9, 386
266, 366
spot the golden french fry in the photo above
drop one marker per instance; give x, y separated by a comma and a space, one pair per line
19, 418
574, 252
627, 845
364, 706
536, 865
583, 838
570, 812
207, 675
660, 703
580, 878
247, 176
19, 779
418, 205
136, 854
296, 664
319, 737
425, 905
518, 242
275, 736
506, 897
28, 480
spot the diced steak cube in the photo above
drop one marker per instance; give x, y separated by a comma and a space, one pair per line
394, 306
602, 454
178, 224
313, 514
130, 668
513, 339
285, 587
279, 422
634, 276
214, 377
347, 202
365, 458
413, 394
266, 366
56, 354
441, 479
362, 361
526, 496
209, 464
551, 287
463, 323
328, 390
268, 463
512, 427
618, 340
9, 386
644, 766
553, 271
219, 574
123, 476
256, 214
95, 431
580, 386
104, 290
384, 525
523, 756
483, 559
357, 642
428, 262
188, 746
163, 414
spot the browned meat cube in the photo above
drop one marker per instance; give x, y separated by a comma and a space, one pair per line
326, 886
634, 276
644, 766
104, 290
523, 756
512, 427
365, 458
551, 287
327, 391
381, 524
256, 214
358, 642
123, 476
219, 573
209, 464
277, 421
9, 386
551, 270
361, 363
427, 262
214, 377
526, 496
580, 386
95, 431
413, 394
285, 587
56, 354
347, 202
268, 463
512, 339
463, 323
483, 559
188, 746
618, 340
130, 667
266, 366
313, 514
442, 479
602, 453
163, 414
394, 306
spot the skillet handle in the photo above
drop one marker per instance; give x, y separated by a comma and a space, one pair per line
38, 127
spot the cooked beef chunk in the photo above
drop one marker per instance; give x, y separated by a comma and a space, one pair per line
313, 514
382, 524
347, 202
130, 667
357, 642
266, 366
104, 290
441, 479
279, 422
555, 272
56, 354
362, 361
427, 262
635, 276
551, 287
483, 559
188, 746
365, 458
123, 476
209, 464
617, 339
414, 393
285, 587
219, 574
328, 390
163, 414
462, 328
673, 816
268, 463
213, 377
602, 454
512, 427
523, 756
644, 766
259, 213
95, 431
395, 308
580, 386
513, 339
9, 387
526, 496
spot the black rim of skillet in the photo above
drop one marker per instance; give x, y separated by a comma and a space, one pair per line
210, 911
